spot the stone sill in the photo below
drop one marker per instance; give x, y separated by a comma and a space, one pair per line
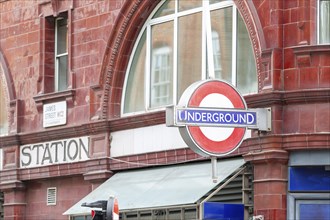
67, 95
305, 49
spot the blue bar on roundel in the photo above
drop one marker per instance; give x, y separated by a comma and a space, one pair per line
216, 117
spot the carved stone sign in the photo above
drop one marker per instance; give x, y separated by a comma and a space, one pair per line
54, 152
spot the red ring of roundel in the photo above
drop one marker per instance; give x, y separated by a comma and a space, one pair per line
205, 144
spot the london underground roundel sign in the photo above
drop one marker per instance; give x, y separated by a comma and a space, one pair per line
203, 99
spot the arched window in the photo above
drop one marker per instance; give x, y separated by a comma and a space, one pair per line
183, 42
3, 106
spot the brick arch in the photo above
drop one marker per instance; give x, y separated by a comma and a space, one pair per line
120, 44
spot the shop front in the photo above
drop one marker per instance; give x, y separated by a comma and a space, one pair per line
309, 185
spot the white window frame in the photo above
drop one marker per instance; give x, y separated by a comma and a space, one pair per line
206, 37
318, 23
58, 56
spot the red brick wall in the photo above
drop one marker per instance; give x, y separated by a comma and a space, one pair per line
21, 35
69, 191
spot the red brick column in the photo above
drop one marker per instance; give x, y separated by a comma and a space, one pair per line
14, 200
270, 183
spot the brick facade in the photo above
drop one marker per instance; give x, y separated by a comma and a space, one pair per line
293, 79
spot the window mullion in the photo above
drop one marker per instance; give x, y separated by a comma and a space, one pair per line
204, 57
234, 47
175, 60
209, 45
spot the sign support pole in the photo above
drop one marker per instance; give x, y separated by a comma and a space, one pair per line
214, 169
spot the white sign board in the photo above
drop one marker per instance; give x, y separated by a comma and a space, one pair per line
54, 152
54, 114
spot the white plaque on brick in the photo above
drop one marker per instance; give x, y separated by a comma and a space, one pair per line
54, 114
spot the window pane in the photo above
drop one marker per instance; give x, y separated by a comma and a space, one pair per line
221, 24
316, 209
62, 63
167, 8
324, 31
3, 110
135, 90
161, 80
246, 67
186, 5
61, 42
216, 54
189, 51
216, 1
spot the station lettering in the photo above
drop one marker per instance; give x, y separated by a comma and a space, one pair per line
54, 152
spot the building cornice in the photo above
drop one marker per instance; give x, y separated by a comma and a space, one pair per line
288, 97
259, 100
55, 133
263, 147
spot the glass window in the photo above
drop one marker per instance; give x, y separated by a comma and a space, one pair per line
324, 21
161, 83
172, 52
312, 209
167, 8
222, 24
186, 5
189, 66
215, 1
216, 54
245, 62
135, 89
161, 80
3, 109
61, 54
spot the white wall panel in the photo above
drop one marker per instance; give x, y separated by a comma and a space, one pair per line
145, 140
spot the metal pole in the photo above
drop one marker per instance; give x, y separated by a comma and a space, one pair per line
214, 169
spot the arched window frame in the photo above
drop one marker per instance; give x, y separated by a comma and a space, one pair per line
207, 50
